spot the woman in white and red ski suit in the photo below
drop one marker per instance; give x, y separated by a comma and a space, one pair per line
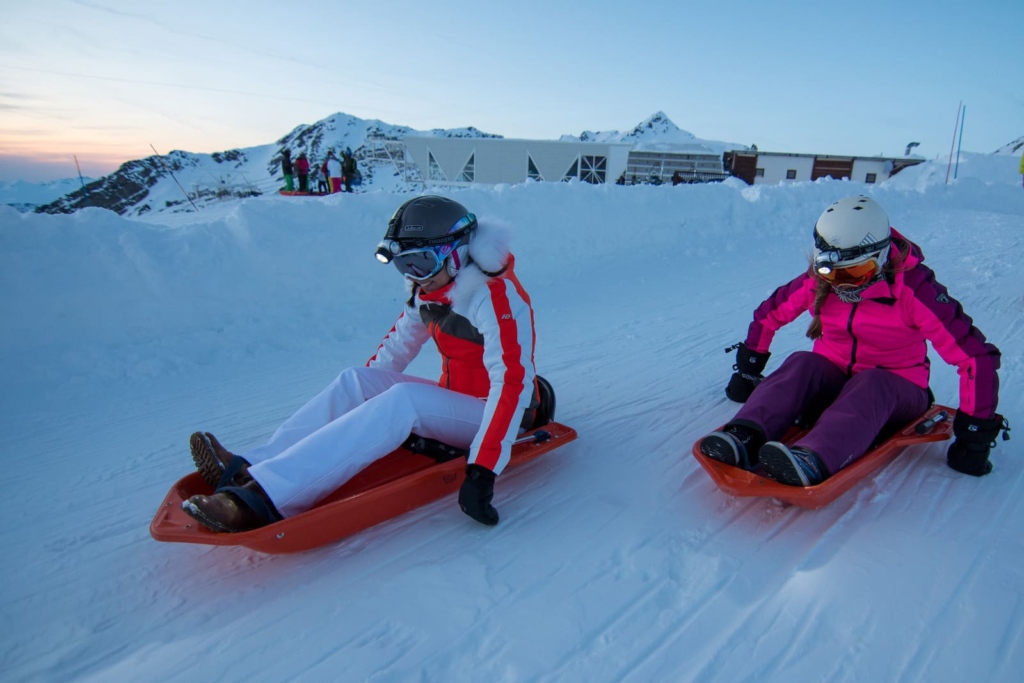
465, 296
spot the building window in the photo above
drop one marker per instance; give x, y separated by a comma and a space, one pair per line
593, 169
434, 168
573, 172
469, 170
759, 173
791, 174
531, 169
871, 177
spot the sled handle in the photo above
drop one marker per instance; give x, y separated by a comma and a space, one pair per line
929, 424
537, 437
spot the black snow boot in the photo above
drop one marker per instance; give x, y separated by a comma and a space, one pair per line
736, 445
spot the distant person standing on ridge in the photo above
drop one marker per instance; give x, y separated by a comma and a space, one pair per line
324, 184
302, 168
319, 174
334, 172
286, 168
348, 169
1022, 169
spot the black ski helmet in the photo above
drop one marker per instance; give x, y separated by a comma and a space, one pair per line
429, 221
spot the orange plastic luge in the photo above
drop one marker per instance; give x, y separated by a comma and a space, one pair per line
739, 482
399, 482
297, 193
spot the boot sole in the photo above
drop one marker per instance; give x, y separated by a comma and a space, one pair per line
205, 458
781, 465
720, 448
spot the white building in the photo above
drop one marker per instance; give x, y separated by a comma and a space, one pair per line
657, 164
462, 161
772, 168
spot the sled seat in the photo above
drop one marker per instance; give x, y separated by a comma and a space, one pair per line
536, 416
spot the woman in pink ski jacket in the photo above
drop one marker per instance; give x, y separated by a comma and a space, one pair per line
874, 305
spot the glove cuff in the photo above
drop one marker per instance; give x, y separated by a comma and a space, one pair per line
479, 473
750, 362
975, 431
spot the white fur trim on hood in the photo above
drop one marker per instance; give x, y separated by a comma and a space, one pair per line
488, 245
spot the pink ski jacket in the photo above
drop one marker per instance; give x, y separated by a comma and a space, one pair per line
888, 329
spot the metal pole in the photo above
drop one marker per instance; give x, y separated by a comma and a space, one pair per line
953, 144
81, 179
962, 117
160, 159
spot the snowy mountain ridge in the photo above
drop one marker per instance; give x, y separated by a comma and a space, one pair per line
26, 196
656, 132
159, 183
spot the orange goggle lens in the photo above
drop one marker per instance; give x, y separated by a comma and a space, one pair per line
857, 274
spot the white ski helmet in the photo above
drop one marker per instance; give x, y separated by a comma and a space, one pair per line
851, 235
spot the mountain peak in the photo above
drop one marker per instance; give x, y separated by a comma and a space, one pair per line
661, 126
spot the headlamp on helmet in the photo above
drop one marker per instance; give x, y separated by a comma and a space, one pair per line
386, 250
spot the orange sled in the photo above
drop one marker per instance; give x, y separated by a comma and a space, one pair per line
929, 427
298, 193
399, 482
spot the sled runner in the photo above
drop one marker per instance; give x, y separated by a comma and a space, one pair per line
929, 427
395, 484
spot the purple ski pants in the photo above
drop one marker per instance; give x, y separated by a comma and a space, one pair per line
856, 409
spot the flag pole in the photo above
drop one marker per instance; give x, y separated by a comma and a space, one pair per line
963, 116
81, 180
949, 166
171, 173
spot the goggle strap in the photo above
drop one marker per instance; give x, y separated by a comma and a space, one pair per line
851, 252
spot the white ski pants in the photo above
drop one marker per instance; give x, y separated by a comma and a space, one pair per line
360, 417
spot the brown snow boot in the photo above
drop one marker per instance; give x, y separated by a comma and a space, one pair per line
212, 460
233, 508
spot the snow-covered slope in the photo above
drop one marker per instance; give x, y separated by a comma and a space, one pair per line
616, 559
1015, 147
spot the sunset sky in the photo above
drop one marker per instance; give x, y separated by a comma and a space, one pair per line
104, 80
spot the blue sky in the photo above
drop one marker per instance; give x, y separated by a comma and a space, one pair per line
103, 80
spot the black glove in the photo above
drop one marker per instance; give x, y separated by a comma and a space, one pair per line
749, 366
476, 494
973, 439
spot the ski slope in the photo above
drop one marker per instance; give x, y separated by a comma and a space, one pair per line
616, 558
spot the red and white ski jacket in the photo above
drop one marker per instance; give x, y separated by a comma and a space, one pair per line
482, 324
888, 329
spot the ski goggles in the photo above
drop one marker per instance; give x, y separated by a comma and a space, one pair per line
425, 262
856, 274
853, 266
